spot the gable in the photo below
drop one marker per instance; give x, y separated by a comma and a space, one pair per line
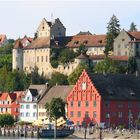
83, 89
43, 26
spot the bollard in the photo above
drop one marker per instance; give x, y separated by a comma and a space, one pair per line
38, 132
32, 133
8, 132
13, 133
4, 132
0, 132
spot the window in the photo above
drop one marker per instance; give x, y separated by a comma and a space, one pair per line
22, 106
120, 114
120, 105
86, 114
27, 114
71, 103
123, 39
79, 114
94, 114
22, 114
79, 103
119, 53
7, 102
84, 86
71, 114
27, 106
28, 98
94, 103
34, 106
107, 104
42, 58
34, 114
37, 58
16, 109
6, 109
46, 58
125, 52
129, 105
107, 115
87, 103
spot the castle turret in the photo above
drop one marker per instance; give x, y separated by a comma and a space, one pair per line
17, 58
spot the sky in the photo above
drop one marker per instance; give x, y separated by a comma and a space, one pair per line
22, 17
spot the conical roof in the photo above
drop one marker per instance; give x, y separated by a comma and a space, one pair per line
18, 45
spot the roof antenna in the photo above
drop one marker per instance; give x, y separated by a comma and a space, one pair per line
52, 21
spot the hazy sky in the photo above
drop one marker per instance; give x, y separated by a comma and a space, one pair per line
22, 17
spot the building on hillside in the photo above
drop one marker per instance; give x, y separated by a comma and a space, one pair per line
53, 92
10, 103
112, 99
28, 105
95, 44
3, 39
127, 44
51, 29
37, 53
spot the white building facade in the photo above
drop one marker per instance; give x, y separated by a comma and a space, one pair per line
28, 107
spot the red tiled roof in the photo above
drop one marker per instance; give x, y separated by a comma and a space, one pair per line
121, 58
26, 39
97, 57
87, 40
113, 57
18, 44
40, 43
135, 34
2, 38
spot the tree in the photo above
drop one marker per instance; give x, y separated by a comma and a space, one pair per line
58, 78
55, 109
73, 77
6, 120
108, 66
36, 78
113, 29
133, 27
132, 65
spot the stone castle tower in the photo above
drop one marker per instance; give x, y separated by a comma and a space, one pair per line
51, 29
18, 56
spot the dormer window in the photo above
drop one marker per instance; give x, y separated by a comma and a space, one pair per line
100, 41
85, 42
76, 42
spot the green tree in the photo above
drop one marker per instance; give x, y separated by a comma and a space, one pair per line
108, 66
66, 55
133, 27
132, 65
55, 109
73, 77
113, 29
82, 49
58, 78
36, 78
6, 120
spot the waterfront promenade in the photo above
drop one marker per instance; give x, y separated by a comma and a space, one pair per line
80, 133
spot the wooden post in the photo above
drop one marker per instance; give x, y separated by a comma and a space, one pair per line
4, 131
32, 133
13, 133
38, 133
18, 131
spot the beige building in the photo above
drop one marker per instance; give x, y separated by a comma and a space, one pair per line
95, 44
55, 91
127, 44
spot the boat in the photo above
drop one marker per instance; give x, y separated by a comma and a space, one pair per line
49, 133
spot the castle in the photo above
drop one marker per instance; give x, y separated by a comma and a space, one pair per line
28, 53
37, 54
